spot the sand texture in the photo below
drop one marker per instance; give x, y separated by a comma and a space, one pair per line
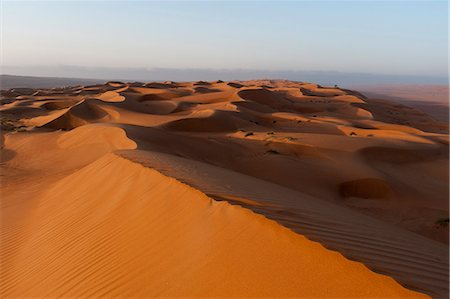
266, 188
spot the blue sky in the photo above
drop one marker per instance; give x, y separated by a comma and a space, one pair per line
383, 37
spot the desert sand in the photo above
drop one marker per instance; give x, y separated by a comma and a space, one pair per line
431, 99
264, 188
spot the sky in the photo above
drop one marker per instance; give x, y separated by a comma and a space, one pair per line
377, 37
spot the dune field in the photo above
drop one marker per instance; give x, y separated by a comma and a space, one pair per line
267, 188
431, 99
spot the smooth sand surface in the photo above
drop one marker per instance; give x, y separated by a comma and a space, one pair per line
431, 99
220, 189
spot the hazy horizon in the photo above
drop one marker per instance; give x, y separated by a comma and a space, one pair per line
172, 74
380, 40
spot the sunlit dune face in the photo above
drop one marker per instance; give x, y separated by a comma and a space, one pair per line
262, 188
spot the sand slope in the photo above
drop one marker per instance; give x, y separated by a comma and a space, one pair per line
90, 206
144, 234
413, 260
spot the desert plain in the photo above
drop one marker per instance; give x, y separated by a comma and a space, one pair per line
264, 188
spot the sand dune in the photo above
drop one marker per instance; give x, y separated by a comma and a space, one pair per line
213, 244
417, 262
221, 189
78, 115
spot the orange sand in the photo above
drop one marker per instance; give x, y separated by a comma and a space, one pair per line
166, 190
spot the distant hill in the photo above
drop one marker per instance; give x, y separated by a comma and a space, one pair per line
10, 81
173, 74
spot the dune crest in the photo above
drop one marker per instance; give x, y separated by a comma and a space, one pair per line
165, 189
205, 249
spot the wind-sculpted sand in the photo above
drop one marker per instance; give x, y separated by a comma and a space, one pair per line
220, 189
